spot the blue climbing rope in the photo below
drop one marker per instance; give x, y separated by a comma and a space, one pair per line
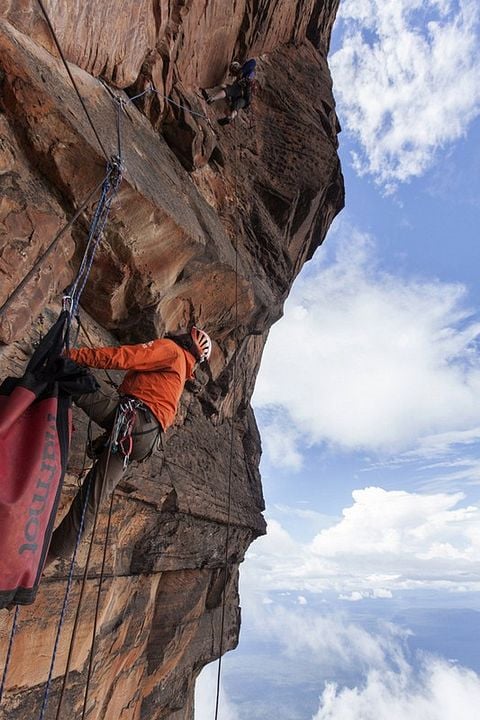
110, 187
46, 691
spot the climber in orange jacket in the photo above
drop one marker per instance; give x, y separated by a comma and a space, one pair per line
149, 397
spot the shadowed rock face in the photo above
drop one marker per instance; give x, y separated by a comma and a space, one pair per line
205, 216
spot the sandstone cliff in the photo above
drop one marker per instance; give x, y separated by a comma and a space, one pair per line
193, 195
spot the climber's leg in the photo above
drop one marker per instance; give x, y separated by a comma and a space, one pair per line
100, 406
219, 95
101, 482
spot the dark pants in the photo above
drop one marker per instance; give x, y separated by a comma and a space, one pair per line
108, 469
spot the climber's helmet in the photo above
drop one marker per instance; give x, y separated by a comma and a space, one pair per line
202, 342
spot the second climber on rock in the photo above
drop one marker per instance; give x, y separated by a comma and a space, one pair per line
238, 94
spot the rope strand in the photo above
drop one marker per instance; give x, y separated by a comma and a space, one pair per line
59, 48
70, 576
50, 248
110, 188
9, 651
152, 89
97, 606
229, 484
64, 604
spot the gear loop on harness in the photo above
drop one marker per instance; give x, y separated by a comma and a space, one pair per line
122, 432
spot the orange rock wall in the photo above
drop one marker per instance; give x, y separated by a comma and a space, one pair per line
205, 214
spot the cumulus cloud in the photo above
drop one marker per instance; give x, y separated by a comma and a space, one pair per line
355, 596
385, 541
330, 640
439, 690
406, 79
386, 681
205, 695
374, 361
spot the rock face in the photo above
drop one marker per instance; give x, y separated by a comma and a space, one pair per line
211, 225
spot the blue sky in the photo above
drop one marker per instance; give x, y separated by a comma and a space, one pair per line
363, 601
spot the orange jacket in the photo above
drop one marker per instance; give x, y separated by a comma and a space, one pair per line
157, 372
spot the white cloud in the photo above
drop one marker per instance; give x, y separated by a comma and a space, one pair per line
205, 696
439, 444
373, 361
309, 520
438, 692
386, 681
381, 678
329, 640
386, 541
355, 596
279, 440
395, 523
406, 79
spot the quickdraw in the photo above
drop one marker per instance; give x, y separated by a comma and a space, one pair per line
122, 433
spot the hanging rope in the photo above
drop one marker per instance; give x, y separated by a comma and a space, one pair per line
110, 188
230, 472
75, 626
83, 586
97, 605
9, 651
65, 602
49, 249
68, 588
114, 169
119, 126
60, 51
152, 89
84, 330
80, 599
